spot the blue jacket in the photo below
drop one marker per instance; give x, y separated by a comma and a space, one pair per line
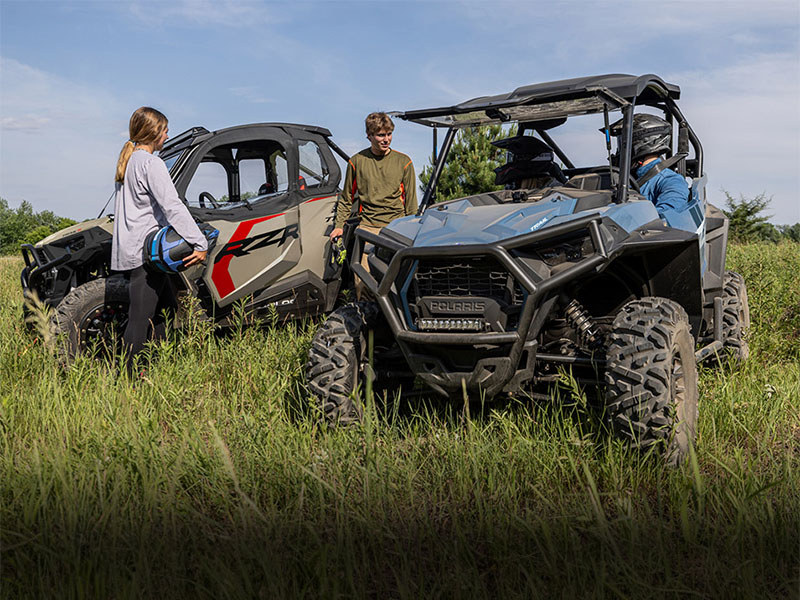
665, 190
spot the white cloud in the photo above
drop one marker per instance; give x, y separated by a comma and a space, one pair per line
59, 141
214, 13
448, 90
28, 121
30, 95
251, 94
610, 20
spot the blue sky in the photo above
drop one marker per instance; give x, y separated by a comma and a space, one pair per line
71, 73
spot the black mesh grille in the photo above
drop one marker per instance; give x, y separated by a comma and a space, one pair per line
480, 276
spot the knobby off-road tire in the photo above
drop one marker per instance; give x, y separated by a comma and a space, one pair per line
651, 377
92, 317
735, 317
336, 361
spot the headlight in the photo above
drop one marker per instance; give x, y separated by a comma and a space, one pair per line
433, 324
384, 254
566, 252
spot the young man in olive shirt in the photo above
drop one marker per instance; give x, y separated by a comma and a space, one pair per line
384, 180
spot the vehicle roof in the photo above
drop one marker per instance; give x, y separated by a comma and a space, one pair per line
197, 135
549, 100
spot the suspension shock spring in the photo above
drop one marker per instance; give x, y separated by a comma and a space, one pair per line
582, 321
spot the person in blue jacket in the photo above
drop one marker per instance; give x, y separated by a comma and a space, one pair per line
652, 137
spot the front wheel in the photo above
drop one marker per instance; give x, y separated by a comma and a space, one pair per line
92, 318
337, 359
651, 377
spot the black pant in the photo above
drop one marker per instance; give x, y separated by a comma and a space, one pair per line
150, 294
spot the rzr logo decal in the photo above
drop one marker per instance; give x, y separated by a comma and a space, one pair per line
246, 246
240, 245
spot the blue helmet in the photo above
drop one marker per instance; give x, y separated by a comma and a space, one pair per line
165, 249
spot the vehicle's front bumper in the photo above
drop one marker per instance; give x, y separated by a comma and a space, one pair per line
502, 359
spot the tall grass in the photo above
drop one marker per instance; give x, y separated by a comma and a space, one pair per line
211, 477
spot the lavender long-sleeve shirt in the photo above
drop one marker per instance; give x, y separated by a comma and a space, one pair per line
147, 200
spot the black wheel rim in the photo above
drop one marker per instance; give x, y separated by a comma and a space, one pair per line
100, 331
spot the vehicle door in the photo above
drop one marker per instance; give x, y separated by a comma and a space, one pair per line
241, 182
319, 176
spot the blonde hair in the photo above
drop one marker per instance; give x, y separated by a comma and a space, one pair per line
378, 121
146, 127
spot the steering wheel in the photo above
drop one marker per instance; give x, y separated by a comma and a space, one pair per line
206, 196
604, 169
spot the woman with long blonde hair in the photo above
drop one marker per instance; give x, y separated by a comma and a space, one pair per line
146, 199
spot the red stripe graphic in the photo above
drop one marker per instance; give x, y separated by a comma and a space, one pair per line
219, 274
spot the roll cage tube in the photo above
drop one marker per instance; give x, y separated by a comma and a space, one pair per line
437, 170
682, 122
559, 152
336, 149
626, 140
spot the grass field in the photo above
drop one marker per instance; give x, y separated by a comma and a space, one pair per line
211, 478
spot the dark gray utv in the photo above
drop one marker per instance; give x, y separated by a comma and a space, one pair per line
494, 292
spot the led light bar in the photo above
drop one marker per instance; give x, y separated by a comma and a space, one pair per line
432, 324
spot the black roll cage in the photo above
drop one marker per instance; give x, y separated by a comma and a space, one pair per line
192, 145
561, 99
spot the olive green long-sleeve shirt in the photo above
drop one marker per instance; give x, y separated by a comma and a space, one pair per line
386, 187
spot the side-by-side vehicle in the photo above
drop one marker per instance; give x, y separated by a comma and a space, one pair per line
497, 292
269, 189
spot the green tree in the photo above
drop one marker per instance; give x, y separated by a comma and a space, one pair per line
470, 164
790, 232
22, 225
747, 223
34, 235
244, 196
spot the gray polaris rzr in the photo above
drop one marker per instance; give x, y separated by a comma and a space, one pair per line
570, 266
270, 189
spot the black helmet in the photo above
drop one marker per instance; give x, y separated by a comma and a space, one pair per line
651, 135
165, 249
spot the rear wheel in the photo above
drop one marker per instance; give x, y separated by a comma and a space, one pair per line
651, 377
735, 317
92, 318
337, 359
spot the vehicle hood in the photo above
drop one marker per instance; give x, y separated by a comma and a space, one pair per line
105, 223
461, 222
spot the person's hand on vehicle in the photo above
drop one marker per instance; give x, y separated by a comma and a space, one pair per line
336, 233
198, 256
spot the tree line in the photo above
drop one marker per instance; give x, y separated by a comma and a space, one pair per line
22, 225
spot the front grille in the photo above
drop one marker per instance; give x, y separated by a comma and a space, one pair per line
480, 277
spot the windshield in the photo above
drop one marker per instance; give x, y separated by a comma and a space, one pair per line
581, 140
171, 160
